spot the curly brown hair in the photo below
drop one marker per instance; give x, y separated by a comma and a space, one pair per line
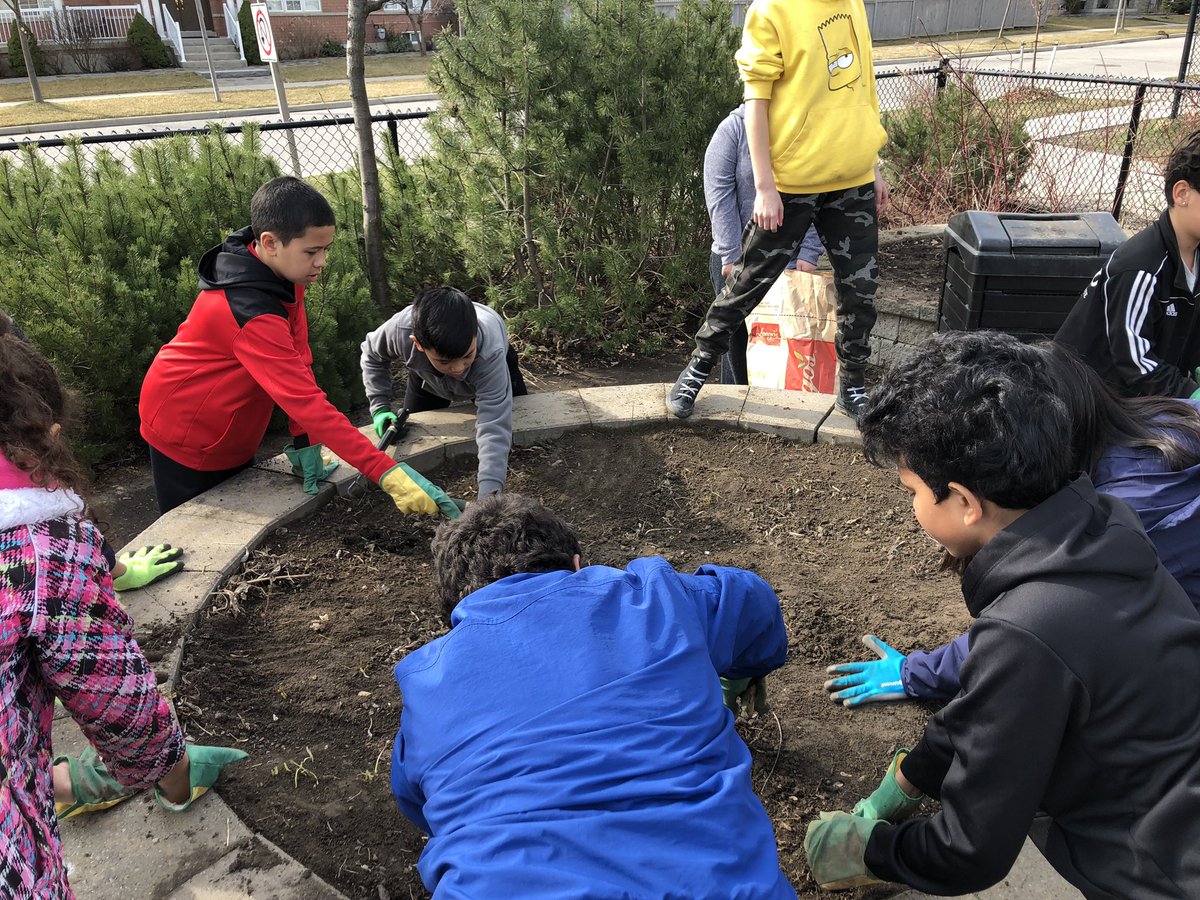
1183, 165
498, 536
32, 402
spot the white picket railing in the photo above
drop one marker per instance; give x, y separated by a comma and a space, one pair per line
232, 29
72, 23
173, 34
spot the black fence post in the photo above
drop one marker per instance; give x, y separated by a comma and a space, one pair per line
1135, 117
943, 72
1185, 61
394, 134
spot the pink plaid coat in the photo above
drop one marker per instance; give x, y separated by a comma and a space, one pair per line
62, 633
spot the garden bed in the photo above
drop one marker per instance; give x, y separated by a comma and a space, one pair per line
294, 664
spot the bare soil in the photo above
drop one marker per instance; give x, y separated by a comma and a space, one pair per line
911, 270
295, 667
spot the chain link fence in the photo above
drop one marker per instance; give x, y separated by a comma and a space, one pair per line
1087, 143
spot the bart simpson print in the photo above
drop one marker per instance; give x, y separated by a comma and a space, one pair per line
841, 51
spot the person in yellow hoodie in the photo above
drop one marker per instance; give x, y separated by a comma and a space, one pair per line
812, 123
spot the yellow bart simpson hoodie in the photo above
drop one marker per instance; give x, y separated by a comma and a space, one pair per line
812, 60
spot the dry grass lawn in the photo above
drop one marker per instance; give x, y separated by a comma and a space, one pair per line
166, 104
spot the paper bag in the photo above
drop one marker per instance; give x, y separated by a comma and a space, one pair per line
792, 333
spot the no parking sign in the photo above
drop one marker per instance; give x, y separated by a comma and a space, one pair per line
262, 31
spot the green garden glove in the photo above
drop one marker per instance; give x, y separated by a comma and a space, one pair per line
889, 801
311, 463
1196, 393
745, 696
93, 787
836, 844
414, 494
204, 766
383, 420
146, 565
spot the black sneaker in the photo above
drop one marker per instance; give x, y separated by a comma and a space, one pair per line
851, 398
682, 398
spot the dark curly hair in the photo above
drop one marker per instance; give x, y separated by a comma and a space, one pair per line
32, 402
1183, 165
978, 408
498, 536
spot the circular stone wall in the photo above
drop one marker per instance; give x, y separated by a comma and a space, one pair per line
294, 662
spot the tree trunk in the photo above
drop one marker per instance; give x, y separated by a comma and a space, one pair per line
1038, 6
26, 51
368, 168
415, 10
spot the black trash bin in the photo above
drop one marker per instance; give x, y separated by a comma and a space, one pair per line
1021, 272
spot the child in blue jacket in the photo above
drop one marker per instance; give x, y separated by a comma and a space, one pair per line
567, 737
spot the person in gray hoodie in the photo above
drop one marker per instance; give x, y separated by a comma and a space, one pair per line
729, 195
454, 350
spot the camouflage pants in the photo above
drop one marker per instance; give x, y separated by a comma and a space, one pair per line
849, 230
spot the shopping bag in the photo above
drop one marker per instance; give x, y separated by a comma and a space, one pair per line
791, 334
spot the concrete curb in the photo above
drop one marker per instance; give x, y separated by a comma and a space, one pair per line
137, 850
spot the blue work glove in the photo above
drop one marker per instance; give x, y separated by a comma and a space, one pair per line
310, 463
871, 681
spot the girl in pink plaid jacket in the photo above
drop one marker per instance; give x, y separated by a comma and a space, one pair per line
63, 634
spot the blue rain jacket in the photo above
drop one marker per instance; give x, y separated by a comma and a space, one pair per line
567, 737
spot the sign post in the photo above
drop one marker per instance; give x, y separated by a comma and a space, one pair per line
270, 55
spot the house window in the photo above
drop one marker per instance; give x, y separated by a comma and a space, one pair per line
294, 6
34, 5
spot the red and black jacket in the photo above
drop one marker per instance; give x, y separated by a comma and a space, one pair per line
208, 396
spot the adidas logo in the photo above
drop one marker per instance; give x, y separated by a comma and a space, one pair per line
1170, 311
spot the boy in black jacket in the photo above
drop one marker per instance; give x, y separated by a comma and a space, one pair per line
1067, 714
1137, 323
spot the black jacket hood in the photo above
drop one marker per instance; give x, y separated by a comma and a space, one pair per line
1067, 534
233, 265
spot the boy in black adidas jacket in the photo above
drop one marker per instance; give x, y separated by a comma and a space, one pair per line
1137, 323
1079, 719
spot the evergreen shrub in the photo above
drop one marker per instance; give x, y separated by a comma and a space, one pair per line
16, 59
147, 44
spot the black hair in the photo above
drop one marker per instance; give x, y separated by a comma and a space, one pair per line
1101, 419
977, 408
1183, 165
498, 536
287, 207
444, 321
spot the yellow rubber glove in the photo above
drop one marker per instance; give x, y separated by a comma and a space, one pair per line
416, 495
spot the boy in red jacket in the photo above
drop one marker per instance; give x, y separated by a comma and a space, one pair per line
208, 396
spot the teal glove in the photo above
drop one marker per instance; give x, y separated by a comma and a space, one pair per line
889, 801
1196, 393
204, 766
836, 844
310, 463
745, 696
93, 787
383, 420
146, 565
864, 682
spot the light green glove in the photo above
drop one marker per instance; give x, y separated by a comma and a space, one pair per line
836, 845
745, 696
414, 494
93, 787
383, 420
146, 565
204, 766
311, 463
1196, 393
889, 801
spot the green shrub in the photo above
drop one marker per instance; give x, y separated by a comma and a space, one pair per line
249, 39
955, 151
1179, 7
147, 44
331, 49
100, 267
568, 148
1074, 7
16, 59
398, 42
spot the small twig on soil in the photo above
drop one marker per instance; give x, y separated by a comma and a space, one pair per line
779, 749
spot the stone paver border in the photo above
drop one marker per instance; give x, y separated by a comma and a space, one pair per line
136, 850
